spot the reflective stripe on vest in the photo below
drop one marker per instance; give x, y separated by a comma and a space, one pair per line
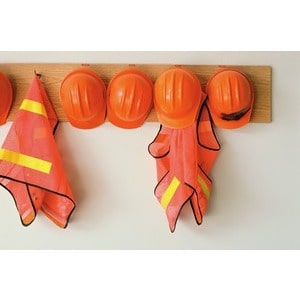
34, 107
204, 187
173, 186
169, 193
25, 160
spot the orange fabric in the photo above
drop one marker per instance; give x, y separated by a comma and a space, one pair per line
184, 158
30, 167
6, 97
129, 98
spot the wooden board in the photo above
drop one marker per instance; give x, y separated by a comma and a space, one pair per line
52, 75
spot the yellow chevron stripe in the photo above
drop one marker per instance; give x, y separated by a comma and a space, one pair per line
169, 193
204, 186
34, 107
25, 160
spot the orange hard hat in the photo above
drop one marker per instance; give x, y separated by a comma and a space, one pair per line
230, 98
177, 97
129, 98
6, 97
82, 96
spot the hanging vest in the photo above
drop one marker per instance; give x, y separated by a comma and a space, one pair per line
184, 158
30, 165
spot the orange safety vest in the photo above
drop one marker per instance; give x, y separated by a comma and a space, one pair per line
30, 165
184, 158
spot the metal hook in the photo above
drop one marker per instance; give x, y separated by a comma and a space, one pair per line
39, 75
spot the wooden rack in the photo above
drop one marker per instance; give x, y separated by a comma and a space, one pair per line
52, 75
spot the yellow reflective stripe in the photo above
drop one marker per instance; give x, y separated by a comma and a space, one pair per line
34, 107
169, 193
204, 186
25, 160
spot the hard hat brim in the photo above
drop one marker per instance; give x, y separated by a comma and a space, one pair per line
177, 123
186, 121
115, 120
96, 121
231, 124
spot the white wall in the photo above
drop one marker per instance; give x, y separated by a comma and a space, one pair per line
255, 201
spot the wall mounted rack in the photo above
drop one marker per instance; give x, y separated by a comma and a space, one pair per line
52, 75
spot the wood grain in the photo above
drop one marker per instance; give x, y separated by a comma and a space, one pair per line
52, 75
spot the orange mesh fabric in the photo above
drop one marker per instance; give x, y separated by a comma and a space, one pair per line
184, 158
31, 168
